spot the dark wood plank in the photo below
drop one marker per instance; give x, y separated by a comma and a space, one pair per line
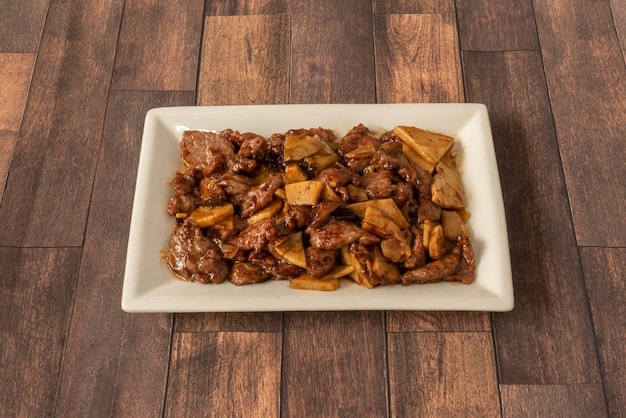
224, 374
412, 6
36, 294
442, 375
252, 52
21, 24
410, 321
332, 59
586, 77
47, 193
229, 321
334, 365
521, 401
16, 70
551, 315
417, 59
249, 7
604, 276
492, 25
125, 368
148, 56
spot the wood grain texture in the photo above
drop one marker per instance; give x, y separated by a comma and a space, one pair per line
412, 6
604, 270
230, 321
249, 7
442, 375
521, 401
332, 59
244, 60
47, 193
16, 70
417, 59
492, 25
21, 24
159, 45
586, 78
128, 354
224, 374
333, 365
418, 321
551, 315
36, 295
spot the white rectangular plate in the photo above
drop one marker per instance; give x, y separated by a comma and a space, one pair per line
150, 287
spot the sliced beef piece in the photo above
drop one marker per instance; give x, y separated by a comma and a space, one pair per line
184, 203
211, 193
255, 236
183, 183
389, 156
418, 251
274, 156
205, 151
418, 177
279, 269
254, 146
319, 262
260, 196
236, 186
435, 271
245, 273
427, 210
192, 256
335, 235
336, 176
320, 214
359, 139
296, 216
402, 194
465, 271
379, 184
237, 163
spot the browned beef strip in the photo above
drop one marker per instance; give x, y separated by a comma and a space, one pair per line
335, 235
236, 186
389, 156
255, 236
465, 271
192, 256
358, 137
378, 184
211, 193
402, 193
246, 273
259, 197
435, 271
418, 177
205, 151
184, 203
279, 269
319, 262
336, 176
254, 146
297, 216
418, 251
320, 214
183, 183
427, 210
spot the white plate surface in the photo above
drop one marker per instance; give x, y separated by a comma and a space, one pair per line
150, 287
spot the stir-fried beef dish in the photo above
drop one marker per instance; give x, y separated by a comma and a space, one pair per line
310, 207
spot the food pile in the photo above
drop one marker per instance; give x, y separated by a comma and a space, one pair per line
312, 208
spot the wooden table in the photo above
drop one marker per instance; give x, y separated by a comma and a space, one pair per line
76, 80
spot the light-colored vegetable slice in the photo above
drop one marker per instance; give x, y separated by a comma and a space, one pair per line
375, 221
361, 152
267, 212
395, 250
322, 159
290, 248
416, 159
386, 206
384, 269
436, 243
304, 192
306, 282
294, 173
298, 147
205, 216
429, 145
328, 194
453, 225
447, 189
360, 273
